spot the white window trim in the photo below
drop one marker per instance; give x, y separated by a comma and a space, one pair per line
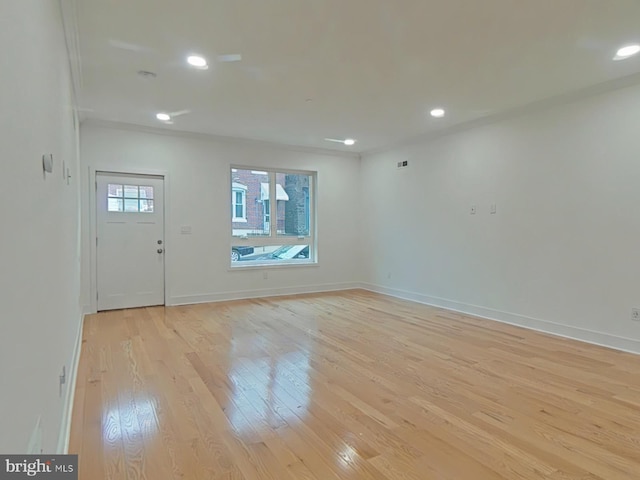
275, 239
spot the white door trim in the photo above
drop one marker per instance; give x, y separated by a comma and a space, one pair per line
93, 226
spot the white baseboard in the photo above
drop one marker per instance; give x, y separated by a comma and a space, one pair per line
260, 293
558, 329
72, 374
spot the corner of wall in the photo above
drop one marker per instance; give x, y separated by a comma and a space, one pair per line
69, 397
575, 333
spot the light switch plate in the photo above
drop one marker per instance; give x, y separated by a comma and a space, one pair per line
47, 162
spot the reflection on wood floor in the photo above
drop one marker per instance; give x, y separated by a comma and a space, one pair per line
349, 385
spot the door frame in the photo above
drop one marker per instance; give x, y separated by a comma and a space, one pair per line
93, 225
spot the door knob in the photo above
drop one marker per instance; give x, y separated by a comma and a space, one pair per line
159, 250
159, 242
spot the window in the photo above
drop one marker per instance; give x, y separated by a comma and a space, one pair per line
272, 217
239, 202
129, 198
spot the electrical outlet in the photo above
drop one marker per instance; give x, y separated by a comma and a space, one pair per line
473, 209
635, 314
265, 275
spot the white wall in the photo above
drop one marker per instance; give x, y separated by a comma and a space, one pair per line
39, 243
561, 254
198, 195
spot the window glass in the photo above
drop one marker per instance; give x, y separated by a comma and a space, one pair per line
129, 198
293, 212
115, 204
270, 254
146, 205
131, 191
250, 203
131, 205
146, 192
273, 211
115, 190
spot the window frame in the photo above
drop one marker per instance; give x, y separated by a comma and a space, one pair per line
275, 239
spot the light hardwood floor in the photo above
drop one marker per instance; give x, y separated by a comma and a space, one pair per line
349, 385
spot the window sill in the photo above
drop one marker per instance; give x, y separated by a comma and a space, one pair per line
263, 266
239, 220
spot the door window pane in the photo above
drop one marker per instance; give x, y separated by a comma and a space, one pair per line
114, 190
114, 204
131, 205
131, 191
146, 192
146, 206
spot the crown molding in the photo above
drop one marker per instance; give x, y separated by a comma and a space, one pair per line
93, 122
537, 106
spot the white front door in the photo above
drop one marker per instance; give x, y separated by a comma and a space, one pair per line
130, 242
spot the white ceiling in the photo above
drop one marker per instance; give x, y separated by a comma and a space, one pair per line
367, 69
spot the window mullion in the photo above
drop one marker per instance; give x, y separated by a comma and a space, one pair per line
273, 205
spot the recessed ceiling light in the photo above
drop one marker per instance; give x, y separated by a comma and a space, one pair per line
626, 52
437, 112
347, 141
197, 61
163, 117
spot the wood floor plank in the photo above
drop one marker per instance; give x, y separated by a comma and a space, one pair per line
347, 385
